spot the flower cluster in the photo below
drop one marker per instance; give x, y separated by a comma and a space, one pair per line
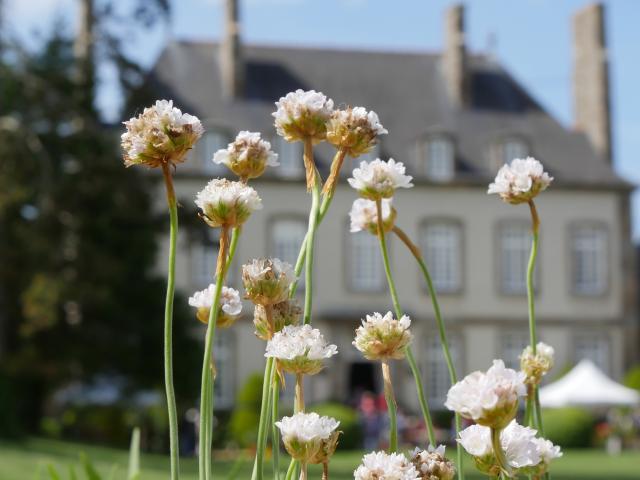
300, 349
247, 156
267, 280
308, 437
364, 215
354, 130
227, 204
303, 115
162, 134
383, 337
377, 179
520, 181
491, 398
230, 305
432, 464
273, 318
536, 365
525, 453
386, 466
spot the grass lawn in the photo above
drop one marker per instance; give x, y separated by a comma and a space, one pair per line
23, 461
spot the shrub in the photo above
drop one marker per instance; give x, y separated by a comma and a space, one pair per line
569, 427
632, 378
9, 424
351, 437
243, 425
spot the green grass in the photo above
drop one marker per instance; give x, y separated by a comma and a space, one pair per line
22, 461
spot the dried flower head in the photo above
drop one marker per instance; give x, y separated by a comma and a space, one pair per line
267, 280
491, 398
247, 156
377, 179
386, 466
535, 366
364, 215
227, 204
520, 181
161, 134
304, 434
300, 349
303, 115
273, 318
432, 464
383, 337
230, 305
354, 130
327, 449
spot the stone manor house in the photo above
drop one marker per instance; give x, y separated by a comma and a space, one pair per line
454, 118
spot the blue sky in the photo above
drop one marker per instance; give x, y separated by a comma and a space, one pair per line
532, 38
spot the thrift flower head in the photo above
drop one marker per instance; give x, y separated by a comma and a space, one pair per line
364, 215
247, 156
520, 181
377, 179
273, 318
303, 434
226, 203
354, 130
383, 337
161, 134
431, 464
535, 366
386, 466
230, 305
300, 349
303, 115
491, 398
267, 280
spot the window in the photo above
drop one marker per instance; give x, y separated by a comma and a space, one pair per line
225, 374
442, 245
594, 347
366, 268
437, 371
513, 343
287, 236
290, 158
589, 258
204, 257
439, 159
211, 142
514, 148
515, 246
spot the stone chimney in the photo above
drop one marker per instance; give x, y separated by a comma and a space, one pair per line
591, 78
454, 57
232, 66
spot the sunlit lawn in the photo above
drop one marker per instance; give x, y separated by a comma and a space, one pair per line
23, 461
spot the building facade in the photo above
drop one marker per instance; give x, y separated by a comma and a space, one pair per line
453, 118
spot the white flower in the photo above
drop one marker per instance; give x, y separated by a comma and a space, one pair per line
476, 440
162, 134
364, 215
547, 450
385, 466
519, 445
230, 305
535, 366
303, 115
226, 203
247, 156
383, 337
432, 464
490, 398
300, 349
354, 130
267, 281
377, 179
303, 434
520, 181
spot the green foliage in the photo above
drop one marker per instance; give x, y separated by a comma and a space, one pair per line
243, 424
632, 377
569, 427
351, 437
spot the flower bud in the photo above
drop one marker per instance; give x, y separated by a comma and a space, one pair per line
364, 215
230, 305
247, 156
282, 314
304, 434
431, 464
383, 337
267, 281
354, 130
377, 179
303, 115
227, 204
535, 366
520, 181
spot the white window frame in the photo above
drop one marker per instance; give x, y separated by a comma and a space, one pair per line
436, 261
593, 250
437, 377
513, 257
212, 140
290, 158
512, 343
438, 158
372, 270
508, 149
278, 226
594, 346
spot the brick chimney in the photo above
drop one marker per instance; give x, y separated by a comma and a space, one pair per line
232, 66
454, 57
591, 78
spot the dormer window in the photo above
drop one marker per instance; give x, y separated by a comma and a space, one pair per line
438, 159
212, 141
290, 158
514, 148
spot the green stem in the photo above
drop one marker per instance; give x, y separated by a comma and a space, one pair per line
498, 453
299, 397
291, 471
424, 407
310, 241
392, 407
275, 434
168, 326
441, 331
263, 429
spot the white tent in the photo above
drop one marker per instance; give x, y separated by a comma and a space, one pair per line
586, 386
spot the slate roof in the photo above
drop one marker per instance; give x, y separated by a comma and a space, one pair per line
406, 89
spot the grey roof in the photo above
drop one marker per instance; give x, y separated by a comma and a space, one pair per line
408, 92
